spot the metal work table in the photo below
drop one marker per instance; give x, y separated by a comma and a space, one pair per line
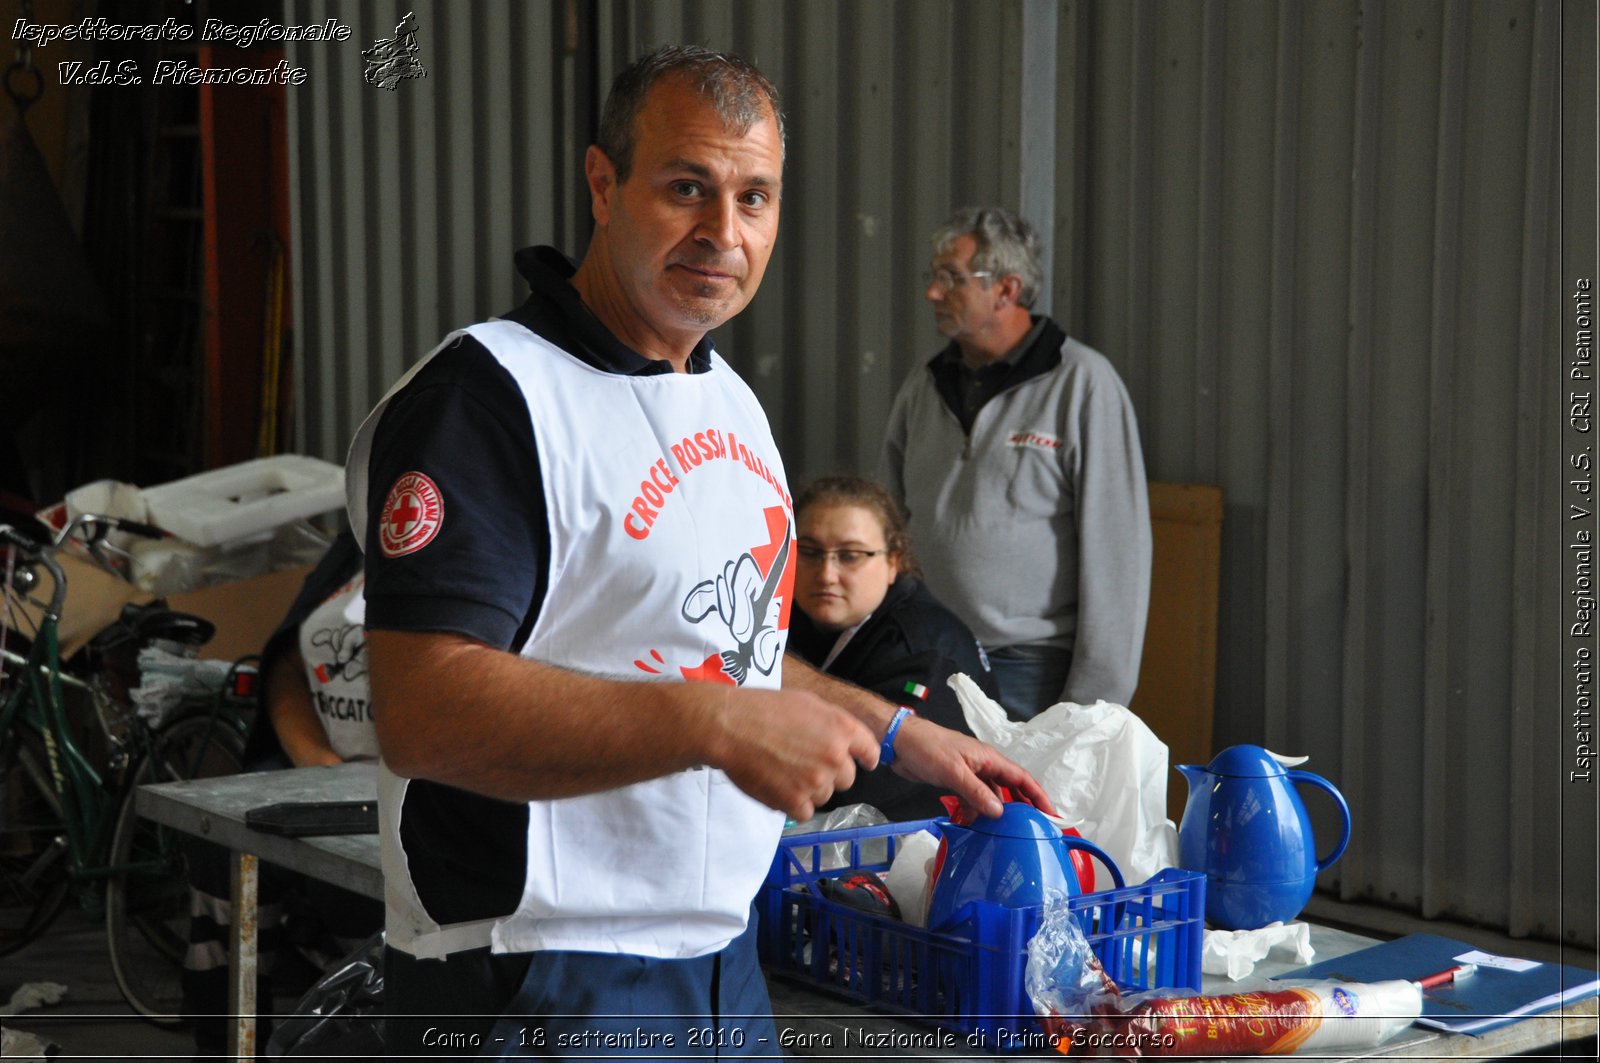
812, 1023
829, 1027
214, 809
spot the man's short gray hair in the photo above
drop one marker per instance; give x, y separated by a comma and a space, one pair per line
740, 94
1006, 244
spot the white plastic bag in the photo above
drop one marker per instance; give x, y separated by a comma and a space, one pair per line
1104, 769
167, 680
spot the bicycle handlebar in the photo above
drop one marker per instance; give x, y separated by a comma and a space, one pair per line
35, 551
27, 542
99, 525
39, 550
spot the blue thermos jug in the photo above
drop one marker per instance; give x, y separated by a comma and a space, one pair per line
1015, 860
1246, 829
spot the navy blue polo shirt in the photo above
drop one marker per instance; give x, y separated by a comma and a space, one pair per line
463, 420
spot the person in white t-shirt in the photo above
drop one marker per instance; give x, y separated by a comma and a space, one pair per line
318, 697
315, 710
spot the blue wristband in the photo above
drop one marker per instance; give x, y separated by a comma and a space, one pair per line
886, 751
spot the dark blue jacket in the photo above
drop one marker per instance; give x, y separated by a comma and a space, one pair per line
909, 640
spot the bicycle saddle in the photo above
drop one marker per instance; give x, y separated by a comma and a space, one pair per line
156, 621
140, 624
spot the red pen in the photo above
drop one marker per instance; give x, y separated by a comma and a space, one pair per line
1454, 974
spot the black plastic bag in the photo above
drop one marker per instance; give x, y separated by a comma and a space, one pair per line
342, 1015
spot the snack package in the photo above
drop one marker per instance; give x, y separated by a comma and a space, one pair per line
1309, 1017
1087, 1013
1063, 977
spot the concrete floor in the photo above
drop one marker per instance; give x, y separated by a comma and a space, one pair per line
92, 1021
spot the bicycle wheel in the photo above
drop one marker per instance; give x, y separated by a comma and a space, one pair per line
35, 867
147, 906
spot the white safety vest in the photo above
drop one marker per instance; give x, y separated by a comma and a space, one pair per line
671, 559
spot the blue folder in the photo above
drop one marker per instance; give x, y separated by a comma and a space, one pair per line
1490, 998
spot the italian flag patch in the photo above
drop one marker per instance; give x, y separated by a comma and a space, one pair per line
917, 690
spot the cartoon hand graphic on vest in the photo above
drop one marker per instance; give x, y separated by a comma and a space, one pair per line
748, 604
346, 645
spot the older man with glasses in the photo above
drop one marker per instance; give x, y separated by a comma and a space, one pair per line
1016, 454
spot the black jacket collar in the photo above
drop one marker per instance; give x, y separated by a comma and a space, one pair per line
1040, 358
555, 311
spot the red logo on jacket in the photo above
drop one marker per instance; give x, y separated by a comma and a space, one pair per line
412, 515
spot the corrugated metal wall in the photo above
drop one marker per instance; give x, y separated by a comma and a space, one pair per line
1324, 243
897, 112
409, 203
1319, 240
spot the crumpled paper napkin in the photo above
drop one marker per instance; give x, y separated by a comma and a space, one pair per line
1235, 953
907, 880
33, 995
21, 1045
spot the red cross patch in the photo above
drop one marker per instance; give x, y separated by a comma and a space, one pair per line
412, 515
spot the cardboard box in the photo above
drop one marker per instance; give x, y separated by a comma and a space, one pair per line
245, 611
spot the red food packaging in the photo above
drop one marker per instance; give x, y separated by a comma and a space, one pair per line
1248, 1024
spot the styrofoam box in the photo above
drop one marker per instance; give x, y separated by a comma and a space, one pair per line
237, 501
108, 498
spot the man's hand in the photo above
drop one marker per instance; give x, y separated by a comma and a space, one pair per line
924, 751
792, 750
928, 753
469, 715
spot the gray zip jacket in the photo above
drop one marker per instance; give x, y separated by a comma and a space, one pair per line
1035, 529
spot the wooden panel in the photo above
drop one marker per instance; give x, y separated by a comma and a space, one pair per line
1178, 673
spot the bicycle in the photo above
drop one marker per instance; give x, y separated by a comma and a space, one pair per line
73, 753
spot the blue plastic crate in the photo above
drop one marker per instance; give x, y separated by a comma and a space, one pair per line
969, 979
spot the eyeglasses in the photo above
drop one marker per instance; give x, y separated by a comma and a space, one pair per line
845, 558
947, 281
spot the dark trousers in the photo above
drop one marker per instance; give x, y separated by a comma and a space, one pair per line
1030, 679
561, 1005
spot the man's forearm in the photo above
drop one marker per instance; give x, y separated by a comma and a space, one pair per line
925, 751
1113, 604
871, 709
1113, 562
463, 713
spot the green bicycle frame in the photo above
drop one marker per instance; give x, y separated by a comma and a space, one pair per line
38, 703
86, 803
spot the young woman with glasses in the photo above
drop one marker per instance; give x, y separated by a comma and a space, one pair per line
865, 616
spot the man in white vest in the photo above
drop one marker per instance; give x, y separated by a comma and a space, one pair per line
579, 544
